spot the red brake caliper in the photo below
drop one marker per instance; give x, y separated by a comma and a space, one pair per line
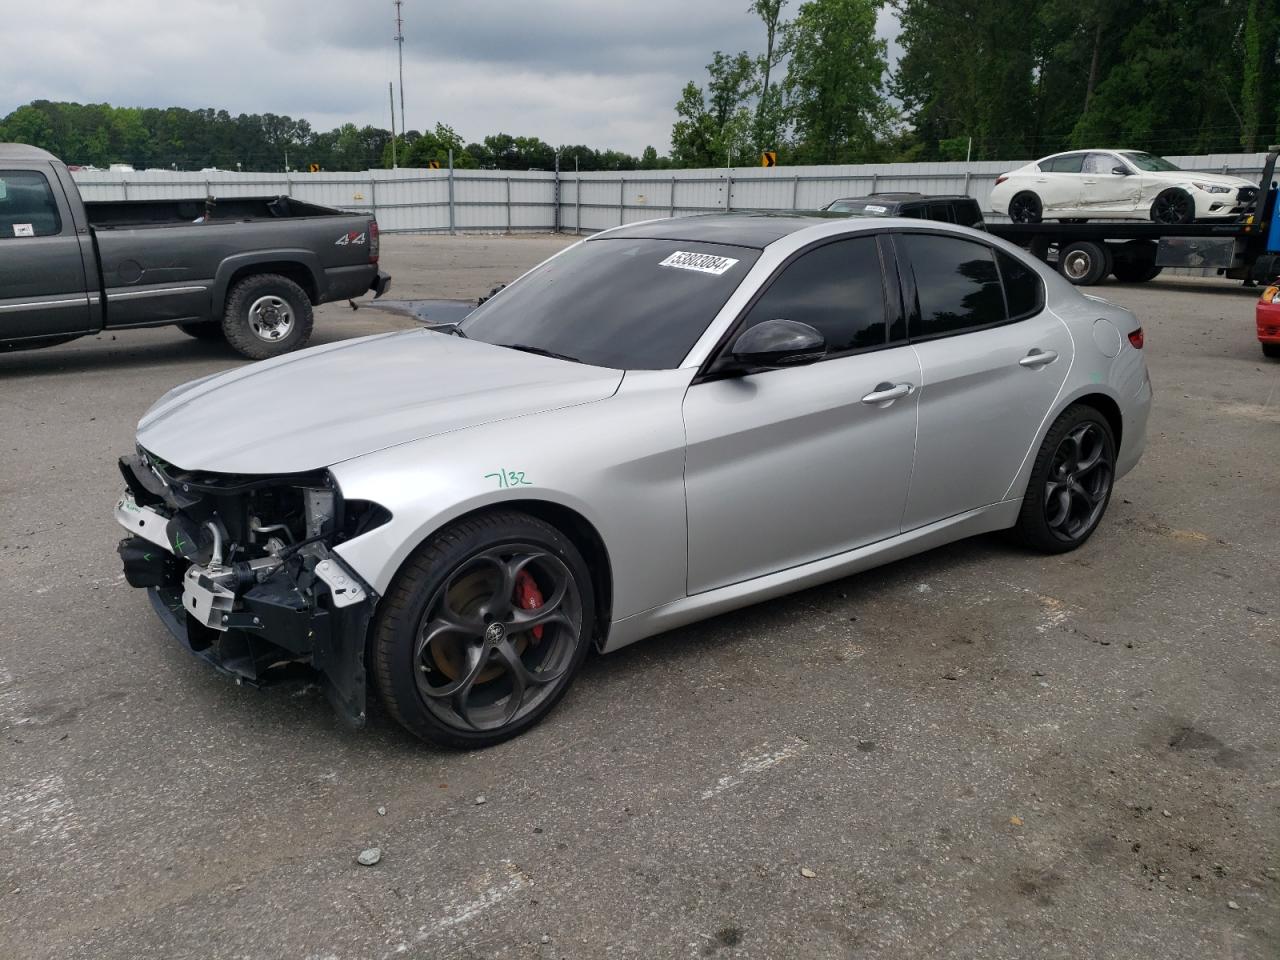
528, 597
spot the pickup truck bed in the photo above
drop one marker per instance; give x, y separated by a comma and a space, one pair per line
249, 269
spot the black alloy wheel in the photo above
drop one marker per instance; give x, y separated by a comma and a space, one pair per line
1025, 208
1071, 482
1173, 206
483, 630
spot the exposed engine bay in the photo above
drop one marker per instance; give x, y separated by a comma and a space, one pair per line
241, 571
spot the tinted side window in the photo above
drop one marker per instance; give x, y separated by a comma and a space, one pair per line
941, 211
837, 289
968, 213
1023, 289
915, 213
27, 207
1071, 163
957, 286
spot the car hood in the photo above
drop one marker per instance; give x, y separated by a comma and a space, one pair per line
315, 408
1195, 176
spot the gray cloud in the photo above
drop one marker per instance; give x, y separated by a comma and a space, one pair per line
570, 71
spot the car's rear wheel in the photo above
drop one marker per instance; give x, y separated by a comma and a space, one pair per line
267, 315
1025, 207
483, 630
1084, 262
1070, 483
203, 330
1173, 206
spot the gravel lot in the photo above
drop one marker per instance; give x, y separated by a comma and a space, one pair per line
973, 753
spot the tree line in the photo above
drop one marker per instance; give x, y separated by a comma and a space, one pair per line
996, 79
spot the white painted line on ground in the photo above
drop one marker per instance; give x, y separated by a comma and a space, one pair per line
461, 911
757, 763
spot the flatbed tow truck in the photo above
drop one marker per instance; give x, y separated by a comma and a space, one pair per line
1135, 252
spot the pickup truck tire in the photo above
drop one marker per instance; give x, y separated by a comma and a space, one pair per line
203, 329
267, 315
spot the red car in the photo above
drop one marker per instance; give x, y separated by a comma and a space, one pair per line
1269, 320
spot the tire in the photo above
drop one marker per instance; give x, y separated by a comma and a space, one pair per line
1134, 262
1084, 262
267, 315
1172, 207
420, 680
1025, 207
203, 330
1271, 350
1080, 436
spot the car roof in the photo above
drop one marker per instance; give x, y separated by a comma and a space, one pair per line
904, 197
754, 229
22, 151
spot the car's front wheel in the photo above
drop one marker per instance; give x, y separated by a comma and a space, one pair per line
483, 630
1070, 483
1173, 207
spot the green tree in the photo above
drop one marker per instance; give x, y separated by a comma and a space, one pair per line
713, 127
770, 116
835, 80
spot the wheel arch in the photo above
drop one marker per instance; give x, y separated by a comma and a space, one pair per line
295, 265
581, 532
1088, 395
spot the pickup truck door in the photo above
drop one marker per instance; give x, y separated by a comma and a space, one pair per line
43, 283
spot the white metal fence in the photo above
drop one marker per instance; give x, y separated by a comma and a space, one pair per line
501, 201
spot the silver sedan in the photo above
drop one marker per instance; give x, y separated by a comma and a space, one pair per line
661, 423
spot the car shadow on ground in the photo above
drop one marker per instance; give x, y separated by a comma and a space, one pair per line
89, 355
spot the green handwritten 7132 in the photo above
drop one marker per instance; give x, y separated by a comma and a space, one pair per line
509, 478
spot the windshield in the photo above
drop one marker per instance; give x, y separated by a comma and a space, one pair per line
860, 208
1147, 161
626, 303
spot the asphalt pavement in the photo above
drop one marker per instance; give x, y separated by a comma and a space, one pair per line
974, 753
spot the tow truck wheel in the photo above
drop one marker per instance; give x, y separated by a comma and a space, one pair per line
1025, 207
203, 330
1084, 262
267, 315
1135, 262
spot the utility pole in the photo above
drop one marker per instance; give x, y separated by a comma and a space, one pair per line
400, 48
392, 97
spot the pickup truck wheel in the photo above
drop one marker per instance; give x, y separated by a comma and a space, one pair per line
203, 330
267, 315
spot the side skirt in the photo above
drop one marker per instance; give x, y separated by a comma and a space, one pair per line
678, 613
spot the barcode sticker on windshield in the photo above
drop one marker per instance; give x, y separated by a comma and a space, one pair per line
23, 230
701, 262
873, 208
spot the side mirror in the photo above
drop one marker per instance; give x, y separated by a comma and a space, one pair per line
778, 343
1120, 171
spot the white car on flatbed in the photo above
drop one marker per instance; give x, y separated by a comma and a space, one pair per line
1118, 185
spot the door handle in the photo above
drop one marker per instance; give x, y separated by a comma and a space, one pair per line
887, 393
1038, 357
1091, 181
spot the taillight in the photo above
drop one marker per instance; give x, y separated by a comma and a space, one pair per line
373, 241
1001, 179
1136, 338
1270, 294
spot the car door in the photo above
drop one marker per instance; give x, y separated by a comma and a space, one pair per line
43, 292
992, 362
1060, 185
1105, 191
791, 465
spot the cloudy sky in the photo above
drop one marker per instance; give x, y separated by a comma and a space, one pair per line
602, 72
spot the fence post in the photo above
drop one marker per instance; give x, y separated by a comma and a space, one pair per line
874, 178
967, 175
555, 198
288, 184
795, 192
373, 196
508, 204
673, 195
622, 199
125, 183
452, 221
577, 201
728, 192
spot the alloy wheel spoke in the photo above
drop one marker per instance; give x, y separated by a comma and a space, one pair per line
519, 672
1056, 513
462, 685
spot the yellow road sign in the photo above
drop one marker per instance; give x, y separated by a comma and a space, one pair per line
769, 158
314, 168
433, 164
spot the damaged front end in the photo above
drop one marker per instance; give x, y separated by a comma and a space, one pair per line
241, 571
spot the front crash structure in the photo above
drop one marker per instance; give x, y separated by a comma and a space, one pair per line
241, 571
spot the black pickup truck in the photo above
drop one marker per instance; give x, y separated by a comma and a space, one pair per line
249, 269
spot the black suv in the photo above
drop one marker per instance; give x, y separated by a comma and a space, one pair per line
955, 209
